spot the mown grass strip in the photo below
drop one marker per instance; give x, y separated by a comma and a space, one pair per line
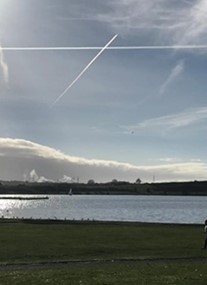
35, 242
114, 274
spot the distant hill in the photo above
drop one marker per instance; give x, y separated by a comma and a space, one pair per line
114, 188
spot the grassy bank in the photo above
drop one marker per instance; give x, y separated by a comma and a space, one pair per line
25, 242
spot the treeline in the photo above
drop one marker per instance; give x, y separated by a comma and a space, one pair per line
118, 188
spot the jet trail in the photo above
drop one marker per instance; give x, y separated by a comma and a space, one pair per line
108, 48
83, 71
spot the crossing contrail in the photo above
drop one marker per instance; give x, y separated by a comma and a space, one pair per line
83, 71
108, 48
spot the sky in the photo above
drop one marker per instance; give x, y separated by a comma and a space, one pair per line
100, 111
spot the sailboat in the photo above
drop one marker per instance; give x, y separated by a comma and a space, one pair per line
70, 192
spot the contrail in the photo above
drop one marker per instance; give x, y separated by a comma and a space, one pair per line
108, 48
83, 71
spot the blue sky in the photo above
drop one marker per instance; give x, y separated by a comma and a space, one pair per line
141, 110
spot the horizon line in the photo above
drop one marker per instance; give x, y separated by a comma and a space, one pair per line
78, 48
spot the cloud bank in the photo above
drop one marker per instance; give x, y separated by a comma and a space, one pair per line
41, 163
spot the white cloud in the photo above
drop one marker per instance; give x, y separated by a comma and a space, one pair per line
4, 71
175, 73
175, 121
66, 179
50, 164
195, 23
178, 22
170, 159
33, 177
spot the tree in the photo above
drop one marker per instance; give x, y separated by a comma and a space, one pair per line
138, 181
91, 181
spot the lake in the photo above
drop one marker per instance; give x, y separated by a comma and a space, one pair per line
165, 209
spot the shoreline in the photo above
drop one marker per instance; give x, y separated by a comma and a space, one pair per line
89, 222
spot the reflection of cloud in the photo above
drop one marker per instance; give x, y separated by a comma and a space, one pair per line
3, 67
180, 120
176, 71
51, 164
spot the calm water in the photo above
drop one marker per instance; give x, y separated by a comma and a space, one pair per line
175, 209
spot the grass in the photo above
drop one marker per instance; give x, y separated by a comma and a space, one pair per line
25, 242
29, 242
115, 274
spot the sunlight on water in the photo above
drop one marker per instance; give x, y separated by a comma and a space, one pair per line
172, 209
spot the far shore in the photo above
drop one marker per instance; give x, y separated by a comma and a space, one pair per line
191, 188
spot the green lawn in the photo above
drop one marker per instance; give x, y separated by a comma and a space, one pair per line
26, 242
22, 242
114, 274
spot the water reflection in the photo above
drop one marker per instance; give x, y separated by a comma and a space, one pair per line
176, 209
